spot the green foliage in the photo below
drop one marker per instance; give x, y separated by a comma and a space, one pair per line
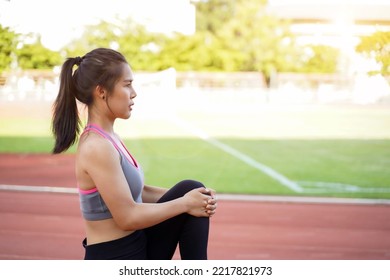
8, 41
131, 39
36, 56
377, 46
319, 59
248, 38
191, 53
231, 35
211, 15
94, 36
141, 47
28, 56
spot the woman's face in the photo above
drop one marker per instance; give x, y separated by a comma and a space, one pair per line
120, 101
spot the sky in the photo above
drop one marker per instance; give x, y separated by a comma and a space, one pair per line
59, 21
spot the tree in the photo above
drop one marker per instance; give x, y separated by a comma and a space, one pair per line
138, 45
211, 15
36, 56
199, 52
141, 47
103, 34
319, 59
257, 41
377, 46
8, 41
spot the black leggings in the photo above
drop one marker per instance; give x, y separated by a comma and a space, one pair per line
159, 242
191, 233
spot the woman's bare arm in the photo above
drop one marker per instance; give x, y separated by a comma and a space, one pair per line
105, 170
152, 194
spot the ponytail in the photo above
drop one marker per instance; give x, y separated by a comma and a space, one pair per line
66, 121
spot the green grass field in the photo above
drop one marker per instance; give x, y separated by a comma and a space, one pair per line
333, 151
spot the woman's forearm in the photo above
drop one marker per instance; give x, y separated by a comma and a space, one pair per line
152, 194
143, 215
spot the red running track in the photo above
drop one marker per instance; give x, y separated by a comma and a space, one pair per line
49, 226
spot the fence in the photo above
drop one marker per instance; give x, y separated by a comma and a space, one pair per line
284, 87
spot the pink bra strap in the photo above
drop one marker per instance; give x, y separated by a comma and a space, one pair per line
97, 129
93, 190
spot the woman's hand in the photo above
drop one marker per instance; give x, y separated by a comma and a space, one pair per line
212, 202
201, 202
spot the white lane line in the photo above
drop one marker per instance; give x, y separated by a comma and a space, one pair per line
225, 197
237, 154
302, 199
37, 189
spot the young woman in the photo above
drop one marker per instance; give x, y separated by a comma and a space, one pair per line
124, 219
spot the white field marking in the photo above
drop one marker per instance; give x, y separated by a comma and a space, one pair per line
237, 154
37, 189
325, 187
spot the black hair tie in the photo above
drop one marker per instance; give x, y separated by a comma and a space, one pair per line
78, 60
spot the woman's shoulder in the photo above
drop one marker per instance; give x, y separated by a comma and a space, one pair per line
93, 146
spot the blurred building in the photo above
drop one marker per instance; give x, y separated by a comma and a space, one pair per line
337, 23
320, 21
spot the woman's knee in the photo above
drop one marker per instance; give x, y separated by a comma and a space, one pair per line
189, 185
180, 189
185, 186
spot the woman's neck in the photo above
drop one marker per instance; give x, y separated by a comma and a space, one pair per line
102, 121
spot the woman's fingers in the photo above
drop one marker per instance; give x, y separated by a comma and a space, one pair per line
209, 201
211, 206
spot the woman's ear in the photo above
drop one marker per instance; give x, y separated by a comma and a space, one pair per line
100, 92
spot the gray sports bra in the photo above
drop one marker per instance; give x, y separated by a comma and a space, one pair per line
92, 205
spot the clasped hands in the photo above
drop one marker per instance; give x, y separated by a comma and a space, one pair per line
211, 203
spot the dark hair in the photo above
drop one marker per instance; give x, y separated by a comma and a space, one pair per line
98, 67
